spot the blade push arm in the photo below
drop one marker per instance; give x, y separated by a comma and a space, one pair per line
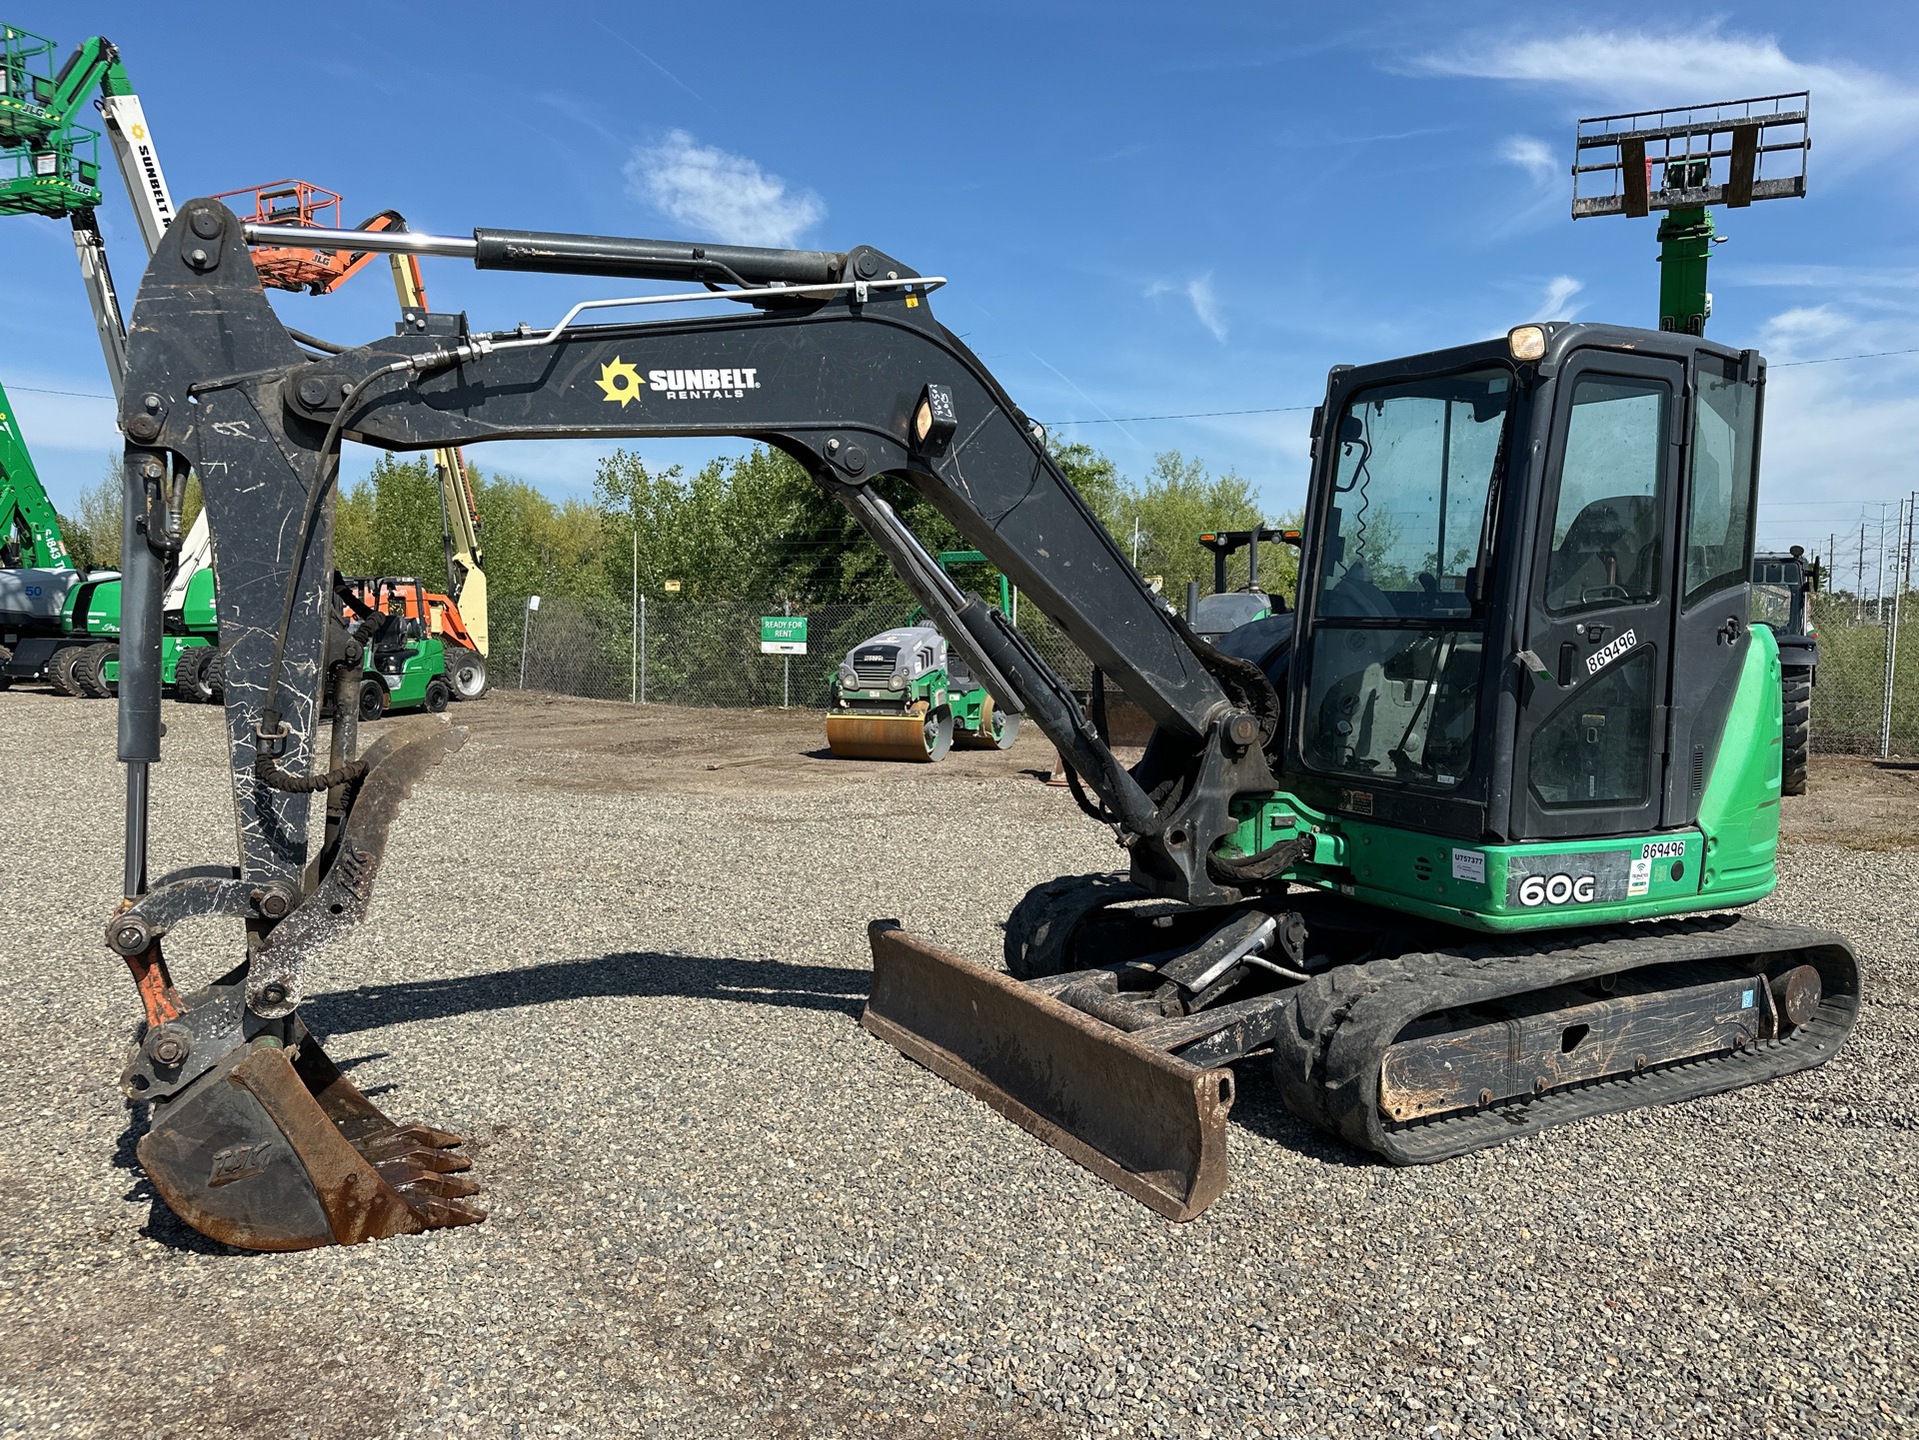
852, 377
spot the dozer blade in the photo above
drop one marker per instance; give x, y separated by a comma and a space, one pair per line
880, 737
1138, 1118
275, 1149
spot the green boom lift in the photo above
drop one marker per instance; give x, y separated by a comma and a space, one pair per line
39, 582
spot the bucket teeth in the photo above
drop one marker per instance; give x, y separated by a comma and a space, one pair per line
415, 1185
418, 1144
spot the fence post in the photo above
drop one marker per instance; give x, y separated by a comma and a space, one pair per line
1899, 575
642, 649
635, 626
786, 666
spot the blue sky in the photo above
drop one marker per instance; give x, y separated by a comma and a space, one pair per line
1143, 210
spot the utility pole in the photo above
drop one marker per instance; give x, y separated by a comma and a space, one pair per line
1879, 594
1892, 641
1136, 542
1859, 585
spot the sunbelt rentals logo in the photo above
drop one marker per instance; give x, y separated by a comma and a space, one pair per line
619, 382
622, 383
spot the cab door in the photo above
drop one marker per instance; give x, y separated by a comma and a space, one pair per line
1590, 752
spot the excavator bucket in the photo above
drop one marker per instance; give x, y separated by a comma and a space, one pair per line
275, 1149
1143, 1120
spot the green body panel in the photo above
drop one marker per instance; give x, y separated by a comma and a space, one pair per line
198, 613
930, 687
1729, 858
94, 609
101, 614
172, 647
1739, 809
25, 511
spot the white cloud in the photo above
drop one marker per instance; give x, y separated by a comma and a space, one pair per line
1531, 155
1790, 334
1857, 114
1199, 294
1557, 303
723, 195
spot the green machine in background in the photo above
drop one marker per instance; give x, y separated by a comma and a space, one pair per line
903, 695
1681, 161
403, 666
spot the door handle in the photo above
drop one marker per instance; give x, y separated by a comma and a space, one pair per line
1568, 653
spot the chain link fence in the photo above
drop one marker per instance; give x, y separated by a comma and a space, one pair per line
690, 652
1865, 698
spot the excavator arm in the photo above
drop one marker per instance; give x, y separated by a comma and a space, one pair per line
834, 358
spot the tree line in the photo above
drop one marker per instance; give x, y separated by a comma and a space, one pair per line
748, 527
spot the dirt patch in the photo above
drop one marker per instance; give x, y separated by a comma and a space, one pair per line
1855, 802
603, 747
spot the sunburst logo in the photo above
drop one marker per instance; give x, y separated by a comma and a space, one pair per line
620, 381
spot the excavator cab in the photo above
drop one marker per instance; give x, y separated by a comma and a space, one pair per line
1503, 636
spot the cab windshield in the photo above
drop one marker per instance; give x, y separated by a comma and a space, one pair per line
1393, 684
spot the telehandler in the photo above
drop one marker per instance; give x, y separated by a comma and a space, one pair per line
1453, 845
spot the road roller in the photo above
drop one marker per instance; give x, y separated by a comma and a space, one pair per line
903, 695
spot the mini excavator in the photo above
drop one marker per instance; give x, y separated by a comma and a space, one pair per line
1453, 850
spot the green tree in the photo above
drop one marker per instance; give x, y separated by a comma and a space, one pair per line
98, 530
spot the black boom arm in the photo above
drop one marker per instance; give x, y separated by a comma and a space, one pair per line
838, 362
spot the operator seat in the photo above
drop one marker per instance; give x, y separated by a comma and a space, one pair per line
1611, 547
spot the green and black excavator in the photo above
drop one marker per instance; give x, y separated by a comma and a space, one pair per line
1450, 853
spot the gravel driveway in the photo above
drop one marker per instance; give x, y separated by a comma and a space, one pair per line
718, 1207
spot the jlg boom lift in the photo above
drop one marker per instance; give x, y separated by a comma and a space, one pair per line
1438, 844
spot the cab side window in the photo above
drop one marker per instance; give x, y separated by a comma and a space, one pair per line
1719, 512
1606, 541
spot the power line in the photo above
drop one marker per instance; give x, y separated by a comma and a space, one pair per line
1189, 415
75, 394
1286, 409
1834, 359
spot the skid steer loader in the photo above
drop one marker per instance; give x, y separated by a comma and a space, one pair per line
1451, 851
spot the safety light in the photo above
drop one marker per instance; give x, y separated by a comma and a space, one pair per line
934, 420
1526, 342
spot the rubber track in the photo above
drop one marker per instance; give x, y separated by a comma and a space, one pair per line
1328, 1054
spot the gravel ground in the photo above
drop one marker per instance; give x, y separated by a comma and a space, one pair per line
719, 1207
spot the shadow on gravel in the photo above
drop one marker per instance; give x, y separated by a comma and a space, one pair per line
629, 973
1258, 1109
